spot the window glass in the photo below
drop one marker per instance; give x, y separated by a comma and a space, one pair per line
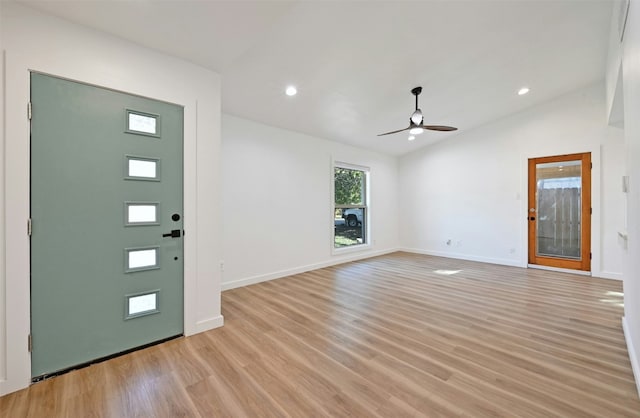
350, 210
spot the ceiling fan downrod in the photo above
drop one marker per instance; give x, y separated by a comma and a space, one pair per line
416, 91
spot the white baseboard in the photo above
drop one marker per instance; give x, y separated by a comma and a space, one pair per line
635, 361
302, 269
9, 386
207, 324
508, 262
608, 275
601, 274
459, 256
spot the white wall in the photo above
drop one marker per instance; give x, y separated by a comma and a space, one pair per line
33, 41
613, 68
472, 188
631, 76
277, 202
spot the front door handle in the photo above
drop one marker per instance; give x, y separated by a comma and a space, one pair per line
175, 233
533, 218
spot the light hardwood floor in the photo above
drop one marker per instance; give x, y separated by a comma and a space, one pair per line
392, 336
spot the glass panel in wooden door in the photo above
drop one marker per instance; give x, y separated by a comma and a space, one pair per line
559, 195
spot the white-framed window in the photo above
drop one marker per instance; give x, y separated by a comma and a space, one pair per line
351, 209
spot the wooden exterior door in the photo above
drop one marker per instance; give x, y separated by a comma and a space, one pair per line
559, 215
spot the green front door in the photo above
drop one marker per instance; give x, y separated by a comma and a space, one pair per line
106, 210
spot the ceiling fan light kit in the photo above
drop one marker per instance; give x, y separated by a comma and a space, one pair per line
416, 121
416, 117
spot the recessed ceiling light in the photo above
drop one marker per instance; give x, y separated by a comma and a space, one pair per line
523, 91
411, 137
291, 91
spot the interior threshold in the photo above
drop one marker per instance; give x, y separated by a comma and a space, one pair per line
560, 270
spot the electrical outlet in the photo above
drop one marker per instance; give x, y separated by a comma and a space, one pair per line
222, 266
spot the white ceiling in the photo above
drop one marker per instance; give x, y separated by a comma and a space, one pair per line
355, 62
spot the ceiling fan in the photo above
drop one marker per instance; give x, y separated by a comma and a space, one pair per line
416, 121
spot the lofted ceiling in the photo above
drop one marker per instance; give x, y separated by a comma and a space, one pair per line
355, 62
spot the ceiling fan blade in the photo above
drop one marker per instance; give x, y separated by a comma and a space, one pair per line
395, 132
439, 128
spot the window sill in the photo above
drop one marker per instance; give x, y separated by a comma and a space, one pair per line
350, 249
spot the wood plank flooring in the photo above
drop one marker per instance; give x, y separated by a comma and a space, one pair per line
401, 335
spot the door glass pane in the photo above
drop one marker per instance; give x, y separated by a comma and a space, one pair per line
142, 214
142, 123
558, 207
142, 168
142, 259
139, 305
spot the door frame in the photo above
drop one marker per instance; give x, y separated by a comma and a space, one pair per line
585, 262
